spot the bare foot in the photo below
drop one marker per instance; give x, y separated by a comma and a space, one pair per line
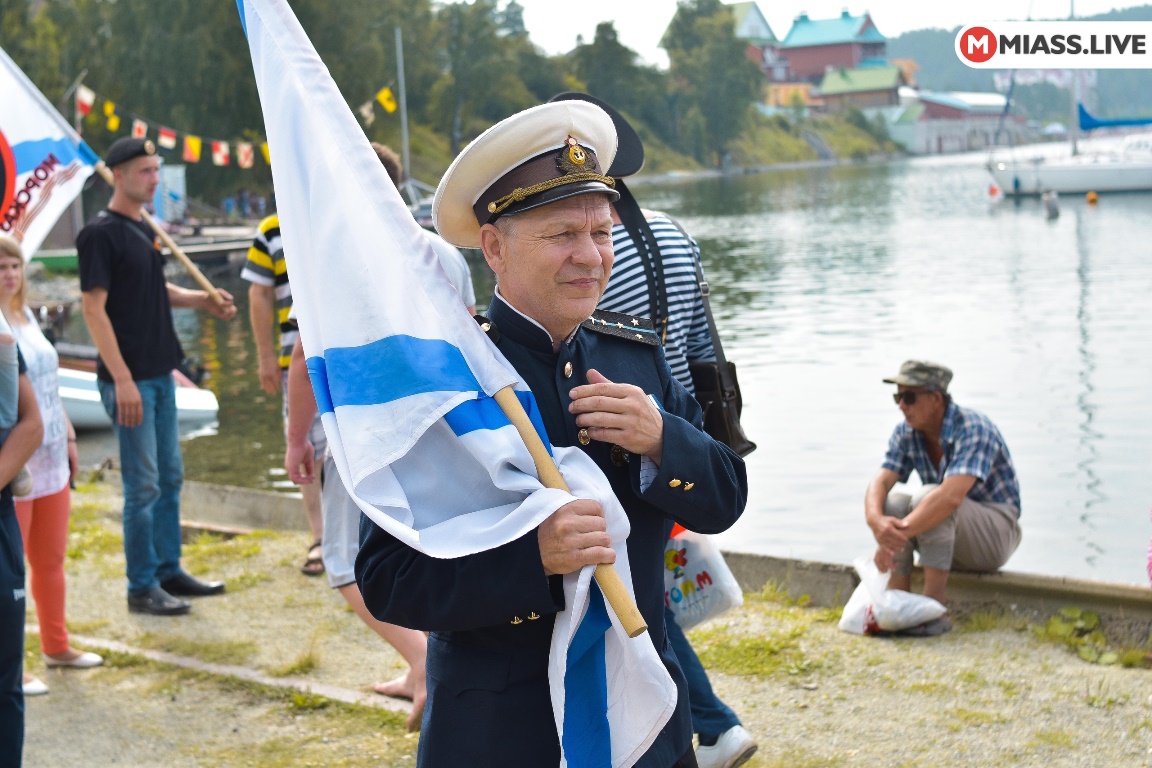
27, 678
417, 715
400, 688
411, 686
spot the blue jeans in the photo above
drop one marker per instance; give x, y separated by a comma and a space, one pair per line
152, 471
710, 716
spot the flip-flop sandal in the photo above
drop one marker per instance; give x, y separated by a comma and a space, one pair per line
928, 629
314, 565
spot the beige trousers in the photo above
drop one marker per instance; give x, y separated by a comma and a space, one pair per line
978, 536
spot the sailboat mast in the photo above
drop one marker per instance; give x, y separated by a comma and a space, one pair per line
1074, 91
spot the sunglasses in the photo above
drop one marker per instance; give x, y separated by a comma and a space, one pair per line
908, 397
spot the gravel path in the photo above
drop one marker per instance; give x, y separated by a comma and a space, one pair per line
812, 695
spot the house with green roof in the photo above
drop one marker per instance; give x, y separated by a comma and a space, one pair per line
861, 87
813, 46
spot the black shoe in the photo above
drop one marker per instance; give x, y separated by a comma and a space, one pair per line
158, 603
185, 586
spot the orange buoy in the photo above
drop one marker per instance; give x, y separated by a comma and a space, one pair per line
1092, 198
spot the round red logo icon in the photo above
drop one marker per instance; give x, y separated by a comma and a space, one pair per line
977, 44
7, 176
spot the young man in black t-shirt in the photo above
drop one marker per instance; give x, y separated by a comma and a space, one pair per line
128, 308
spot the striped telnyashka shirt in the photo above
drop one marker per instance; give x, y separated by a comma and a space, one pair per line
687, 338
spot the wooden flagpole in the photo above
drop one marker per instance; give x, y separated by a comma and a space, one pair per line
193, 270
606, 576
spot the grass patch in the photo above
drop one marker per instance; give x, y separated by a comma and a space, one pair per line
246, 580
1010, 689
778, 653
961, 716
1082, 632
1100, 697
1051, 738
91, 533
208, 549
989, 619
931, 687
87, 627
233, 652
306, 662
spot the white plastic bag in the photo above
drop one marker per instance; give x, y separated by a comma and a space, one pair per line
873, 608
698, 585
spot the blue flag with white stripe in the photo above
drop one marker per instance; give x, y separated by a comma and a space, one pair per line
43, 162
404, 379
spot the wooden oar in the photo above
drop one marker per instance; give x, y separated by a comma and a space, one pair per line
193, 270
606, 576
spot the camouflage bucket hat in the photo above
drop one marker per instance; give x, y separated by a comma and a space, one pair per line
921, 373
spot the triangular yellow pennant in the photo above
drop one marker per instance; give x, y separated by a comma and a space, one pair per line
386, 99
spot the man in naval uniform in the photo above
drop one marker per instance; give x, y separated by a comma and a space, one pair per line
601, 382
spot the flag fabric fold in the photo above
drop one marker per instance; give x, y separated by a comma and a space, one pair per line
43, 162
404, 380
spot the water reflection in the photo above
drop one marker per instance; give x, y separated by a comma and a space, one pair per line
1089, 455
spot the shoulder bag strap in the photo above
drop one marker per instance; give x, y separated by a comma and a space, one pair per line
717, 347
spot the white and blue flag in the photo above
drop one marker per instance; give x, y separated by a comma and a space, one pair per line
43, 162
404, 380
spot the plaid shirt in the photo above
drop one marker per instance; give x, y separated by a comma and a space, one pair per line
972, 446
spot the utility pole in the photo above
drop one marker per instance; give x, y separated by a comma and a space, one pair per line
404, 119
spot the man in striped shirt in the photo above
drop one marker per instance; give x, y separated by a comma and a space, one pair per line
270, 297
966, 515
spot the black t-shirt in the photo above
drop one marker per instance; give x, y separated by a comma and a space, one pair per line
122, 256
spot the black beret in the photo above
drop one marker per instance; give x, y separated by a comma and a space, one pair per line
629, 148
127, 148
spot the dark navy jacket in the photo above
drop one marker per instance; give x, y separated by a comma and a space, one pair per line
491, 614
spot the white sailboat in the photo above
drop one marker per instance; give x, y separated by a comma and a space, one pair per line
1125, 169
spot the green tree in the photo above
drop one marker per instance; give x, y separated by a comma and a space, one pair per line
611, 71
712, 74
475, 62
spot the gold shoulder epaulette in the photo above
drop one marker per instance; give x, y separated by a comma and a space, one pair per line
623, 326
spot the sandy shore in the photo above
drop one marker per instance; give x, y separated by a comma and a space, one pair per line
228, 688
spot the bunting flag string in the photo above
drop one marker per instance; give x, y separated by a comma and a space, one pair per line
190, 149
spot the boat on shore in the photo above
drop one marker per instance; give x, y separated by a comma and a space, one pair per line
195, 405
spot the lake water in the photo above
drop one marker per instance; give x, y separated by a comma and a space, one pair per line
824, 280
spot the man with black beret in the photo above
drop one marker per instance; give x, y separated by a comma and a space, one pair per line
532, 194
127, 305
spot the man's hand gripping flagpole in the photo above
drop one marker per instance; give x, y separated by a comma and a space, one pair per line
609, 581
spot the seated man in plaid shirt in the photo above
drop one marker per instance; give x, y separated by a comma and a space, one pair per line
966, 515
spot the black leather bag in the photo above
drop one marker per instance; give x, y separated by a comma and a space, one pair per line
718, 393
